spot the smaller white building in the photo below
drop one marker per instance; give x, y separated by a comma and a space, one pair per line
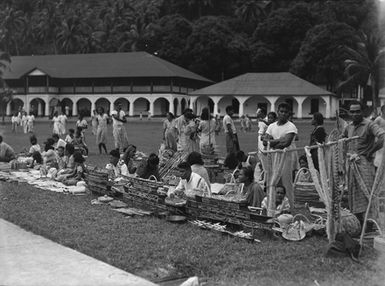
250, 91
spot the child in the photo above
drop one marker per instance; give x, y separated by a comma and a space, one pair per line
15, 122
30, 120
79, 170
304, 175
61, 159
79, 143
70, 136
34, 146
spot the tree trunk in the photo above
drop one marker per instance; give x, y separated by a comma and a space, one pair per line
374, 96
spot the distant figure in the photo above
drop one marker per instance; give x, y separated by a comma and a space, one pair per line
67, 110
24, 120
317, 136
140, 115
169, 132
30, 121
149, 115
180, 126
56, 123
101, 131
207, 129
247, 123
218, 124
119, 131
262, 127
232, 143
243, 123
63, 124
15, 122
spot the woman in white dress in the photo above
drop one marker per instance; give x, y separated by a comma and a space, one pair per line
56, 123
169, 132
63, 123
101, 130
207, 130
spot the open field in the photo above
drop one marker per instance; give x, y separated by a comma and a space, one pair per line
153, 248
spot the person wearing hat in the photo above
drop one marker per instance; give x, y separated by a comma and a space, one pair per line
6, 152
118, 130
117, 166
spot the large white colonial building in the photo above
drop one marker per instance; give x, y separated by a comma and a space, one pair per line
265, 90
141, 82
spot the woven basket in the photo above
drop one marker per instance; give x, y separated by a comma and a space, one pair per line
305, 192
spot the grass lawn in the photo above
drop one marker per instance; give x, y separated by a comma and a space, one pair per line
153, 248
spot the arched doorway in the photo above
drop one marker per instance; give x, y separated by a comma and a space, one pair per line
141, 105
16, 105
183, 104
161, 106
83, 106
176, 103
228, 101
102, 102
125, 105
202, 102
37, 107
67, 106
54, 106
251, 105
312, 105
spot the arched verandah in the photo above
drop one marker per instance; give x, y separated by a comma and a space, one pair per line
141, 105
227, 101
289, 100
254, 102
161, 106
83, 106
37, 107
313, 104
16, 105
102, 102
124, 102
67, 106
202, 102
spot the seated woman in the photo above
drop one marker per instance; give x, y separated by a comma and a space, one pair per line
304, 175
149, 168
37, 161
116, 166
282, 204
79, 171
61, 158
127, 158
34, 146
190, 181
252, 190
7, 153
196, 163
49, 155
69, 162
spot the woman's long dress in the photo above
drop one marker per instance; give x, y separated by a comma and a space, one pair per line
170, 134
101, 131
207, 128
56, 125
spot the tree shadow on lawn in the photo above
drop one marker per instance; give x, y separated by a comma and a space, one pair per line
153, 248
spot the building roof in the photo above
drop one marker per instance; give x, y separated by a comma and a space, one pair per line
113, 65
264, 84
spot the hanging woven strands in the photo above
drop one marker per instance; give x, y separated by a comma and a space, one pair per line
273, 162
324, 184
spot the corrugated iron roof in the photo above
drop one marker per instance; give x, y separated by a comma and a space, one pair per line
264, 84
134, 64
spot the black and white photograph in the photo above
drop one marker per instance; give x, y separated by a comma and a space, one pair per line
192, 142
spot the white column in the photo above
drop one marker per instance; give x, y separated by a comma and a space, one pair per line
93, 106
75, 108
328, 106
47, 108
216, 107
272, 100
192, 100
300, 101
131, 109
8, 111
152, 107
241, 109
26, 105
112, 107
179, 109
171, 105
39, 109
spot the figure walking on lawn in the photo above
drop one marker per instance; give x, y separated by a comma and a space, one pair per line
118, 130
232, 143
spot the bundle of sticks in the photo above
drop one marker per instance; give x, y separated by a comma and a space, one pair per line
172, 163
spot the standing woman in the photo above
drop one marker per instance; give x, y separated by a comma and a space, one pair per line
56, 123
207, 129
101, 129
63, 124
317, 136
169, 132
94, 121
191, 132
24, 122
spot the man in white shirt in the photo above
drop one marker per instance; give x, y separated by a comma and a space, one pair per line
118, 130
190, 181
232, 143
117, 166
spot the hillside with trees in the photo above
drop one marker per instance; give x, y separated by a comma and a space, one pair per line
218, 39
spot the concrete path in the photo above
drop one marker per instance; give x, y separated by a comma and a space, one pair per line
28, 259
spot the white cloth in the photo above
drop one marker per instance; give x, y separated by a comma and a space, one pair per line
56, 125
60, 143
195, 182
228, 120
120, 115
119, 170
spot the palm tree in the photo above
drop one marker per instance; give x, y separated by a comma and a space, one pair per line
5, 92
12, 24
250, 11
364, 64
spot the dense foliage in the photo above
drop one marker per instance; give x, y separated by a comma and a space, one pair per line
216, 38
